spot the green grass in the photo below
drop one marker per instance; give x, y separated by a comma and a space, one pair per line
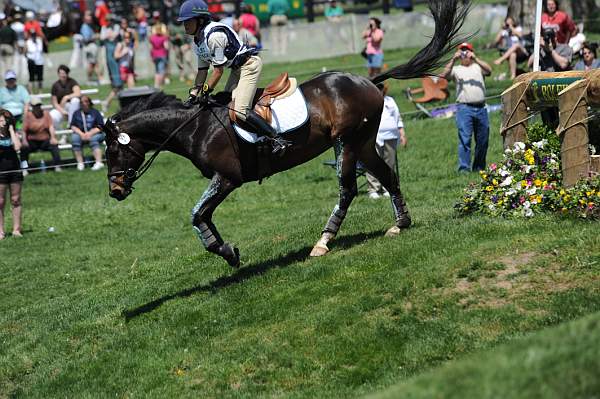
121, 300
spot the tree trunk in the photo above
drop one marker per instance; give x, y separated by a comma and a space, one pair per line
523, 11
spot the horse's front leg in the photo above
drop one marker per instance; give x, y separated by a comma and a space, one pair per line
218, 189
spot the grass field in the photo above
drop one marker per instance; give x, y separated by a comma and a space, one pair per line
122, 301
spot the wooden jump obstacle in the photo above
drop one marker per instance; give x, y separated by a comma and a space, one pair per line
574, 93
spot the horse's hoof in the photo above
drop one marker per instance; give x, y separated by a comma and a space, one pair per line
231, 255
403, 221
319, 250
393, 231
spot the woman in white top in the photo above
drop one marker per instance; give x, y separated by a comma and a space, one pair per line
510, 40
390, 134
34, 48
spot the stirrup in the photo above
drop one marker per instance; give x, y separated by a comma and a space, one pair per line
279, 146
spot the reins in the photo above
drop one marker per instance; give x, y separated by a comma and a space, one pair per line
133, 175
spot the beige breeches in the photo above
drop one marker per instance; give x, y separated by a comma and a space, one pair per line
242, 83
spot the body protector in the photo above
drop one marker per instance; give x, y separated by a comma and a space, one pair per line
236, 52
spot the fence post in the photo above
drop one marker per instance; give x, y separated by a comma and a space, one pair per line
238, 8
386, 6
310, 10
572, 103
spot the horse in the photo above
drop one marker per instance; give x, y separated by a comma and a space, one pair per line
344, 113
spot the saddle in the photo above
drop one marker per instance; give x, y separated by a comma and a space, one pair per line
281, 87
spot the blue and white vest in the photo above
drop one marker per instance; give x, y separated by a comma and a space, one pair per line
236, 51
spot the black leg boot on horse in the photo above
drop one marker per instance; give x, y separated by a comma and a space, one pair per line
262, 128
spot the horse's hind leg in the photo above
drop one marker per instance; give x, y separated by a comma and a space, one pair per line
388, 177
346, 171
218, 189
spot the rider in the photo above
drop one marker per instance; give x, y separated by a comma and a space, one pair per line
218, 45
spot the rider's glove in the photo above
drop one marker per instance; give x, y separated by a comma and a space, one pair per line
191, 100
204, 94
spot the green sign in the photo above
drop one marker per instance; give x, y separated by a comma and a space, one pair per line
262, 11
544, 92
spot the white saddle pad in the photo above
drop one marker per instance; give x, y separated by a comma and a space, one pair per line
288, 114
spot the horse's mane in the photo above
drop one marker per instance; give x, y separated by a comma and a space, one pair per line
155, 100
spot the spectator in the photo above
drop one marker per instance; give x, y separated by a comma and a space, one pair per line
557, 20
110, 36
32, 23
124, 28
9, 179
101, 12
142, 22
588, 59
87, 126
373, 36
244, 34
390, 134
333, 11
278, 10
554, 57
8, 42
124, 54
13, 97
509, 41
182, 48
90, 48
159, 42
35, 61
20, 61
65, 97
250, 22
39, 134
472, 116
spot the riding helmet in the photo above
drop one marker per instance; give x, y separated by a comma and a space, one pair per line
193, 9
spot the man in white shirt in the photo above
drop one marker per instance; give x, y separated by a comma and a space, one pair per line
390, 134
471, 118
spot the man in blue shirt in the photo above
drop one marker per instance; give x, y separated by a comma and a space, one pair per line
14, 97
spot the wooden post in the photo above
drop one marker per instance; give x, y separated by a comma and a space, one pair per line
575, 157
310, 10
386, 6
514, 109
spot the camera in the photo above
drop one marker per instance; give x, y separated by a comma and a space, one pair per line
464, 53
549, 35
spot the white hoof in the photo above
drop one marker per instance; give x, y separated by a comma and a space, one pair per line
319, 250
393, 231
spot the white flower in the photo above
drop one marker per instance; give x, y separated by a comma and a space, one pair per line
503, 172
492, 207
526, 205
508, 151
507, 182
511, 192
531, 191
527, 212
526, 168
519, 146
540, 144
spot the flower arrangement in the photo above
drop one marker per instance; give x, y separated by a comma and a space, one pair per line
528, 181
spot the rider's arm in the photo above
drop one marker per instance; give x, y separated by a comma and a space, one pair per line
217, 42
200, 77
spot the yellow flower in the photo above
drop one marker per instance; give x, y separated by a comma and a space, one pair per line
567, 198
523, 183
537, 182
539, 198
562, 192
489, 188
495, 182
588, 193
483, 175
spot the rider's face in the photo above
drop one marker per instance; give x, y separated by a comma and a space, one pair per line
191, 26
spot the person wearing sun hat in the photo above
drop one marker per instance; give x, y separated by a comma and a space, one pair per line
14, 97
471, 117
39, 134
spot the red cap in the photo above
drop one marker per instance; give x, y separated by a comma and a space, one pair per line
467, 46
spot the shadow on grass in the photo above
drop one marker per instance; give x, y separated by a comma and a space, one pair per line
248, 272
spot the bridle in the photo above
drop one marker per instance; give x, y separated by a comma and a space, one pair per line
130, 175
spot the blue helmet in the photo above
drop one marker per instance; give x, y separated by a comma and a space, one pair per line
193, 9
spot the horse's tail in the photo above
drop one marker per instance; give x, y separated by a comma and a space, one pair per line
449, 18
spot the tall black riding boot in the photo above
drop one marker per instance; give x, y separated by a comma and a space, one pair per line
264, 129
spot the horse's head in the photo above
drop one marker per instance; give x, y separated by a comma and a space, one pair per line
124, 155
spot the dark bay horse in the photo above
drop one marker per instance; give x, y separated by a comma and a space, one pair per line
344, 112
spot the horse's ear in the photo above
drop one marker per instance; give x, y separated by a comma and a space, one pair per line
110, 128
